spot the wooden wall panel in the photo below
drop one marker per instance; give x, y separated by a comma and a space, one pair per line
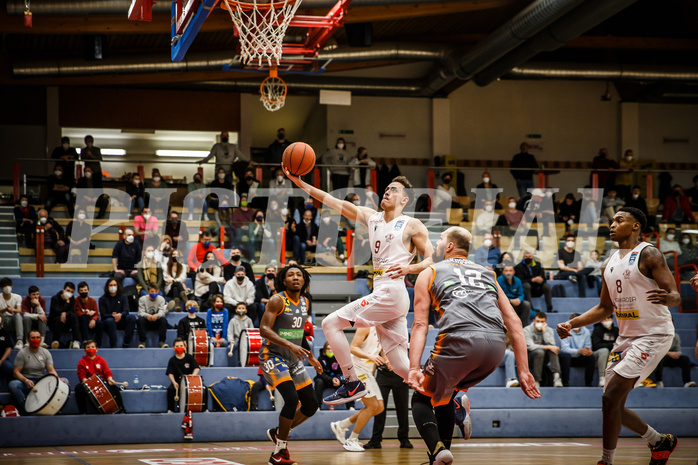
23, 105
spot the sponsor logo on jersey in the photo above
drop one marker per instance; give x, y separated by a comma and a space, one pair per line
378, 273
449, 284
399, 225
627, 314
365, 302
461, 292
644, 355
291, 333
389, 237
626, 274
614, 357
619, 300
633, 257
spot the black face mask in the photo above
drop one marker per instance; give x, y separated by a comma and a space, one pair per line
447, 181
240, 278
270, 276
235, 257
249, 178
280, 136
197, 180
677, 193
528, 261
84, 294
174, 259
224, 139
174, 220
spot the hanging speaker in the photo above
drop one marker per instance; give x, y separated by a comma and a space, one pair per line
359, 34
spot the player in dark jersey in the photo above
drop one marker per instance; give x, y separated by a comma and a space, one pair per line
284, 348
474, 316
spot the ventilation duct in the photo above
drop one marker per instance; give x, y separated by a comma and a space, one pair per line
596, 72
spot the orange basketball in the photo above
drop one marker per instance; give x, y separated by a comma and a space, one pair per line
299, 158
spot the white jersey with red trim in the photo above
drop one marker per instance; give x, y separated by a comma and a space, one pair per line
628, 287
371, 346
387, 246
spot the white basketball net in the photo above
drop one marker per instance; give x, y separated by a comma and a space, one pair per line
273, 92
261, 28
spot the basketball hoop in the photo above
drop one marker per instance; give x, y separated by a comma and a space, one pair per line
273, 90
261, 28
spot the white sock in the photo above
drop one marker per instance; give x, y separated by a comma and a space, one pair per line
346, 423
607, 455
280, 445
354, 436
651, 436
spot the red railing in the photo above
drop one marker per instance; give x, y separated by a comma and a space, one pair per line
282, 258
350, 254
40, 251
677, 274
16, 181
222, 238
645, 236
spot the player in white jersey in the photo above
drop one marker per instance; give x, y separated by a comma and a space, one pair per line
638, 287
394, 240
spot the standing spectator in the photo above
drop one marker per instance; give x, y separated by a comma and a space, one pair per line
157, 191
674, 359
34, 310
92, 156
62, 316
226, 155
522, 168
570, 264
59, 186
145, 225
279, 186
626, 171
89, 365
248, 185
125, 256
217, 318
78, 233
196, 197
242, 217
489, 194
180, 365
542, 349
677, 207
362, 166
603, 337
174, 230
54, 236
149, 272
198, 252
31, 363
692, 194
610, 204
488, 255
636, 200
190, 322
604, 168
236, 261
25, 218
136, 190
388, 380
512, 215
67, 156
265, 289
576, 351
532, 276
208, 278
175, 276
152, 312
92, 183
275, 151
6, 366
115, 313
512, 287
87, 311
219, 182
11, 311
445, 194
237, 323
486, 219
569, 210
339, 158
239, 290
260, 234
307, 238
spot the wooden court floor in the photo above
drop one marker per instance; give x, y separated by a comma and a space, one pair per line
488, 451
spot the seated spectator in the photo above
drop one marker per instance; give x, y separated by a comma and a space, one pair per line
512, 217
241, 219
164, 250
540, 340
145, 225
54, 236
199, 251
34, 314
674, 359
62, 316
175, 277
157, 192
220, 182
125, 256
486, 219
445, 193
692, 194
235, 261
490, 193
237, 323
6, 366
78, 233
331, 376
115, 312
689, 252
198, 200
89, 365
362, 166
223, 217
570, 264
307, 205
59, 187
190, 322
576, 351
507, 260
239, 290
87, 311
589, 215
670, 244
67, 156
92, 183
149, 272
532, 276
306, 234
596, 264
274, 216
11, 311
136, 190
487, 254
217, 320
208, 278
569, 210
152, 312
512, 287
371, 198
259, 235
25, 218
610, 204
31, 363
265, 289
509, 363
537, 210
280, 186
92, 156
248, 185
174, 230
180, 365
636, 200
603, 337
677, 207
327, 245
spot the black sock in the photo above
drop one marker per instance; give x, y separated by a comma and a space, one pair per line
446, 418
425, 420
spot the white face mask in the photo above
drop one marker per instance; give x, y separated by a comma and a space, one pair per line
636, 196
81, 216
274, 206
487, 243
24, 203
136, 182
485, 180
58, 173
146, 216
280, 179
488, 208
340, 146
284, 211
149, 255
88, 175
113, 289
670, 237
512, 205
356, 202
607, 324
67, 295
540, 326
221, 175
42, 220
570, 244
7, 289
156, 179
685, 241
629, 158
326, 220
306, 221
129, 239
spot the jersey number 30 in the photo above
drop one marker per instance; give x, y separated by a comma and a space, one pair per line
472, 278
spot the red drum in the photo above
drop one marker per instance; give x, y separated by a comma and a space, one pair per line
99, 394
200, 347
193, 394
250, 344
48, 397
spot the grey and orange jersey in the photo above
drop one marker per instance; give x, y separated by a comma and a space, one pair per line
289, 325
464, 296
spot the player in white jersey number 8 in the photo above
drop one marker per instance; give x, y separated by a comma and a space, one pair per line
394, 238
645, 329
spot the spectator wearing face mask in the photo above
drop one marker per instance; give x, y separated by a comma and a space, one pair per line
175, 275
328, 243
125, 256
115, 312
92, 192
242, 290
226, 154
624, 177
265, 288
532, 276
92, 156
176, 231
242, 217
237, 323
208, 278
11, 311
489, 194
25, 218
152, 311
59, 186
486, 218
157, 195
67, 156
279, 187
219, 182
145, 225
164, 251
692, 194
603, 337
275, 151
446, 194
339, 158
610, 204
34, 310
248, 185
89, 365
190, 322
542, 350
636, 200
235, 261
307, 205
181, 364
78, 235
569, 210
513, 289
62, 316
689, 253
87, 311
670, 244
260, 235
512, 215
362, 166
54, 236
575, 351
196, 198
149, 272
217, 321
198, 252
677, 207
307, 233
488, 255
136, 190
569, 262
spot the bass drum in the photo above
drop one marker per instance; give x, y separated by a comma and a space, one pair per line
100, 395
200, 347
193, 394
48, 397
250, 345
